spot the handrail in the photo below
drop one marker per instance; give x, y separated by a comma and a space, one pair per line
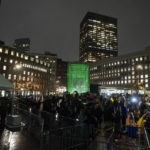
147, 138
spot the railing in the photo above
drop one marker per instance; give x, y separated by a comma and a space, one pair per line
147, 136
63, 133
31, 124
55, 121
66, 138
20, 105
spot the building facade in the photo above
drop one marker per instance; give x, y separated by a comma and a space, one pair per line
129, 71
61, 76
31, 74
22, 44
98, 37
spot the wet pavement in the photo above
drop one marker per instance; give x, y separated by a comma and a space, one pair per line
17, 141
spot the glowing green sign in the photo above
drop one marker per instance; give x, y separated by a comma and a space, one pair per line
78, 78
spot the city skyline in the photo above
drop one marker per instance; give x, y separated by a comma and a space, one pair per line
56, 27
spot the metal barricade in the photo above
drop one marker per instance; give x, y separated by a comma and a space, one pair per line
72, 137
18, 104
31, 124
137, 140
55, 121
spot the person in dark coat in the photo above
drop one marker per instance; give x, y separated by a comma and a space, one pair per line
3, 111
117, 119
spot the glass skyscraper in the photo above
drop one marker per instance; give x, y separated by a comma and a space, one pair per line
98, 37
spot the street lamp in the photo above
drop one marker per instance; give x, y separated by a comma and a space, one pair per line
139, 67
17, 67
13, 121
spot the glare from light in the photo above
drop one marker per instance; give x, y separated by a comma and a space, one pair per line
77, 119
134, 100
56, 116
18, 66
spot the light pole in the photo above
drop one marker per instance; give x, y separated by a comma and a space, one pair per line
17, 67
138, 68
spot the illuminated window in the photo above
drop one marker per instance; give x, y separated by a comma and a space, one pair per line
141, 76
21, 55
5, 59
15, 77
141, 58
24, 72
136, 59
9, 77
146, 80
17, 54
37, 61
16, 61
26, 57
6, 51
12, 53
11, 61
1, 50
146, 85
20, 77
146, 76
146, 67
4, 67
32, 59
23, 78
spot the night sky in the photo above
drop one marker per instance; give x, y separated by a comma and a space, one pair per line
54, 25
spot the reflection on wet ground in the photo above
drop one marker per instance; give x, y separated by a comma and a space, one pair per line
17, 141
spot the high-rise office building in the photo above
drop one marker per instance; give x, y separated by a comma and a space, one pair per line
22, 44
98, 37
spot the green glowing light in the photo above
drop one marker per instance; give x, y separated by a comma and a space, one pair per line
78, 78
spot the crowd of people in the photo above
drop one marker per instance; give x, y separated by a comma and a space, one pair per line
89, 109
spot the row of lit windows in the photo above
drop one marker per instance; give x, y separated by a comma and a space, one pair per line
125, 77
123, 68
23, 78
122, 82
12, 53
99, 22
27, 66
125, 61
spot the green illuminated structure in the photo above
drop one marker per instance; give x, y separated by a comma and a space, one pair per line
78, 78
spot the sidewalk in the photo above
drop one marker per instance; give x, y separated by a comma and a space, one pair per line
17, 141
